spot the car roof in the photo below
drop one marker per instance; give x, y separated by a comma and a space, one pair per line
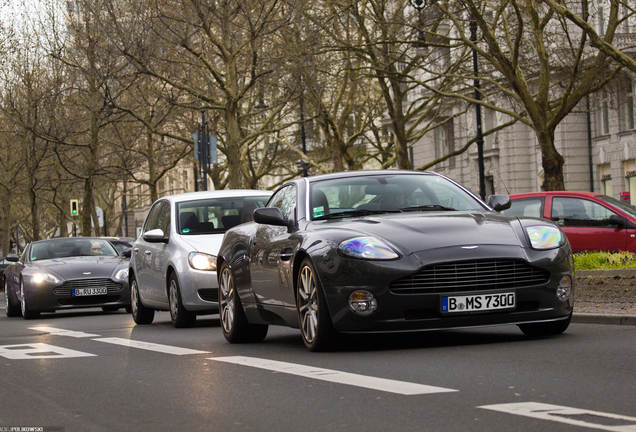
579, 194
360, 173
226, 193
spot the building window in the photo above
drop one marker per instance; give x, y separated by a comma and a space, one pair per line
626, 110
445, 142
606, 180
602, 120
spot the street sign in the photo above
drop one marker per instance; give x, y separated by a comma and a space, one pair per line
195, 137
212, 151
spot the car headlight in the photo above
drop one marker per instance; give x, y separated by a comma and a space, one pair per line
367, 248
122, 274
545, 237
39, 278
202, 261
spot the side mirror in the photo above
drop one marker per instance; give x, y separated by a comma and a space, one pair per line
617, 220
13, 258
126, 253
270, 216
499, 202
155, 236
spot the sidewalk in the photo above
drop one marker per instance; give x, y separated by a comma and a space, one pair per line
605, 297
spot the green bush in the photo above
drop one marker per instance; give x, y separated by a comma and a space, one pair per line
604, 260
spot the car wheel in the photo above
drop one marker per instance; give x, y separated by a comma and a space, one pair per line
128, 309
141, 314
315, 323
546, 329
26, 312
10, 307
234, 323
180, 316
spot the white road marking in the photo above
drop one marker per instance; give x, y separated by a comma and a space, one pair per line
573, 416
166, 349
39, 351
386, 385
63, 332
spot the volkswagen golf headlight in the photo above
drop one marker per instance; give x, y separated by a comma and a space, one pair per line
367, 248
545, 237
202, 261
39, 278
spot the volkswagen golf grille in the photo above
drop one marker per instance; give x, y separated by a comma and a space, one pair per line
67, 287
471, 276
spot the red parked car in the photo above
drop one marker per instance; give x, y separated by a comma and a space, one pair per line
591, 221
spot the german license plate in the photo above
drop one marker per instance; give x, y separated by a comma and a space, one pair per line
479, 302
89, 291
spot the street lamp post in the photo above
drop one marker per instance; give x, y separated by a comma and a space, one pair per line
479, 139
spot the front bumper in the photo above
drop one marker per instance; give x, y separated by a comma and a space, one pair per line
421, 309
199, 290
48, 298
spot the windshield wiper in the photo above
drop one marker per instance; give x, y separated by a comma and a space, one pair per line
426, 207
357, 212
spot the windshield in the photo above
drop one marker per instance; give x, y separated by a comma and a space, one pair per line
71, 247
618, 204
388, 193
216, 215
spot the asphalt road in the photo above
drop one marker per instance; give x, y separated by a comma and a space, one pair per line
90, 371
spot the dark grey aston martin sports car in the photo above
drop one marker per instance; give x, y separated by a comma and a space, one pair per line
66, 273
390, 251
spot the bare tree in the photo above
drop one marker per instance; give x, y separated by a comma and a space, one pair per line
542, 65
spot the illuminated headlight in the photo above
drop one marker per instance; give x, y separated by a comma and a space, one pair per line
564, 289
545, 237
202, 261
39, 278
367, 248
362, 302
122, 274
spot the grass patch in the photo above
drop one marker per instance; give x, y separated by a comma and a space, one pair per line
604, 260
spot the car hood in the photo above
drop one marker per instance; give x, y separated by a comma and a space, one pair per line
208, 243
83, 267
423, 231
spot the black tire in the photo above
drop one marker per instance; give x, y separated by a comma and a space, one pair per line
27, 313
181, 318
110, 308
128, 309
234, 324
316, 327
11, 308
140, 313
546, 329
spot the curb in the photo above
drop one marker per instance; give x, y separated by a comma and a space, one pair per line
604, 319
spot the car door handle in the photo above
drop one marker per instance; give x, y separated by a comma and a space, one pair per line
147, 252
135, 249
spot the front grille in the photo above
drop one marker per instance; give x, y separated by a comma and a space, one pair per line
67, 287
471, 276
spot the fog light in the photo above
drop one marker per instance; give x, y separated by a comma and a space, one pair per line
565, 288
362, 302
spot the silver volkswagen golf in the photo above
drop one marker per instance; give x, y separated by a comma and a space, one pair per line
173, 263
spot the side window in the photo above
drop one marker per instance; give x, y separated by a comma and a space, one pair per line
575, 212
163, 220
153, 215
285, 200
532, 207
